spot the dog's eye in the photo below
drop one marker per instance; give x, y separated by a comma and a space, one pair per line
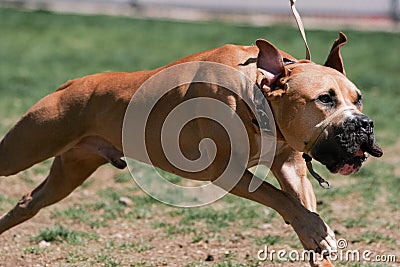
358, 103
325, 99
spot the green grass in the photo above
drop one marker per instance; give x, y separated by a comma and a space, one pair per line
39, 51
269, 240
35, 250
370, 237
58, 233
73, 257
139, 247
106, 260
107, 208
123, 177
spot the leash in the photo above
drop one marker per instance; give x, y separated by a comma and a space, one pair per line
320, 127
322, 182
301, 27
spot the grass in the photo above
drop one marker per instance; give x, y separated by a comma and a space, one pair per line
58, 233
269, 240
107, 209
39, 51
371, 237
47, 49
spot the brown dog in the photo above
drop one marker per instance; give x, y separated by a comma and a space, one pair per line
316, 108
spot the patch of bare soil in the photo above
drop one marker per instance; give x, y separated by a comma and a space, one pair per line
138, 242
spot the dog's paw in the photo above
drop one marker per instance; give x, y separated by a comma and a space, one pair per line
314, 233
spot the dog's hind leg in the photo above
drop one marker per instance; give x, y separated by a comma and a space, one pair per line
47, 129
69, 170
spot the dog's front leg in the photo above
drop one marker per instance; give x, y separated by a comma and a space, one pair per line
311, 229
290, 170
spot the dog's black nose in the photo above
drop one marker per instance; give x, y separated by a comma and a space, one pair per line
364, 123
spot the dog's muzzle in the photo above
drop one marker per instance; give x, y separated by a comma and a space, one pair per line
343, 147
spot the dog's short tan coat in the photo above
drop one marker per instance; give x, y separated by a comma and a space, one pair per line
80, 125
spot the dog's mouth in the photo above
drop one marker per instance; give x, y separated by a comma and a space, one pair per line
353, 164
347, 147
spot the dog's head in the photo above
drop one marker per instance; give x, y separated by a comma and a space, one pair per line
316, 108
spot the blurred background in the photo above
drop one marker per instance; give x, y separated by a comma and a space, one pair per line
371, 14
110, 221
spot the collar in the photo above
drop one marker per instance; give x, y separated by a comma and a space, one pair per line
260, 103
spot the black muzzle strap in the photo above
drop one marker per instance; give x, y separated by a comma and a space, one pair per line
322, 182
319, 128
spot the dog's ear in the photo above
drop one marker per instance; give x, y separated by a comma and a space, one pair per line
269, 64
334, 59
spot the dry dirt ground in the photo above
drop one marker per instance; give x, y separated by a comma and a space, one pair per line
97, 226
